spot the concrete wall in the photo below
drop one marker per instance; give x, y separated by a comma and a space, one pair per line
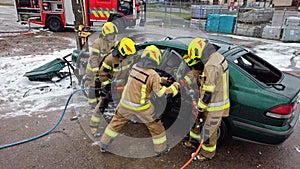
282, 2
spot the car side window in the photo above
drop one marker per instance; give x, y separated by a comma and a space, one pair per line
171, 62
258, 68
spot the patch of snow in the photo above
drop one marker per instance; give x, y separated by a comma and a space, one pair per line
14, 87
275, 52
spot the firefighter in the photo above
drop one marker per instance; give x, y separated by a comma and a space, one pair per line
112, 64
213, 100
101, 47
135, 101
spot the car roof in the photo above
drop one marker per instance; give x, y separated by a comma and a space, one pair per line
182, 43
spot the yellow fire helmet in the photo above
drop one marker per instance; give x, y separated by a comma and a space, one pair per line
125, 47
152, 52
195, 51
109, 28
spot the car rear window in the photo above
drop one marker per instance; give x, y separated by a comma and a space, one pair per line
258, 68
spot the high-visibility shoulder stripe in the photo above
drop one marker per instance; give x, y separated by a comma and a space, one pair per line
160, 140
161, 91
110, 132
106, 66
209, 149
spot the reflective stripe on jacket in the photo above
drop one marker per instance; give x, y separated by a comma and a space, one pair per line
109, 66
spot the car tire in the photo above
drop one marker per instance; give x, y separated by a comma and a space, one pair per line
119, 23
224, 133
54, 23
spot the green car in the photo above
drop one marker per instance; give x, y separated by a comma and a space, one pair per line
264, 100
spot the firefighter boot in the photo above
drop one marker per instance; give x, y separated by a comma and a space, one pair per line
190, 143
158, 154
200, 157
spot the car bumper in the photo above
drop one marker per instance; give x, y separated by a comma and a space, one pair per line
265, 135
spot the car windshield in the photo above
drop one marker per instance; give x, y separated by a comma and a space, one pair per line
258, 68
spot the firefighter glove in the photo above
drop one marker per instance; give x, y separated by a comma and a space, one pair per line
105, 90
164, 80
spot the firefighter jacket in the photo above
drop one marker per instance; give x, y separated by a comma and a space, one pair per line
110, 66
214, 89
192, 78
141, 83
99, 51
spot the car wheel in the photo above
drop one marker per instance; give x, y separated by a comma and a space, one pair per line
54, 23
224, 135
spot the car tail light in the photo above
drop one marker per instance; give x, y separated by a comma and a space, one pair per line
283, 111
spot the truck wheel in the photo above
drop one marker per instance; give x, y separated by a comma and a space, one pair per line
54, 23
119, 23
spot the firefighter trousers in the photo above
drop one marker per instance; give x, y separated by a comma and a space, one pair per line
93, 93
98, 112
121, 117
209, 133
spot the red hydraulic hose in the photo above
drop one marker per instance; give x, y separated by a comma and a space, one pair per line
194, 155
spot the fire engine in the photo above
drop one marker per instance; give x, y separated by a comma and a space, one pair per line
58, 14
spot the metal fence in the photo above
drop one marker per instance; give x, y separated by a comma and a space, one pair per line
257, 22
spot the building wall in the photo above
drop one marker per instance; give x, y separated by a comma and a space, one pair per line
282, 2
